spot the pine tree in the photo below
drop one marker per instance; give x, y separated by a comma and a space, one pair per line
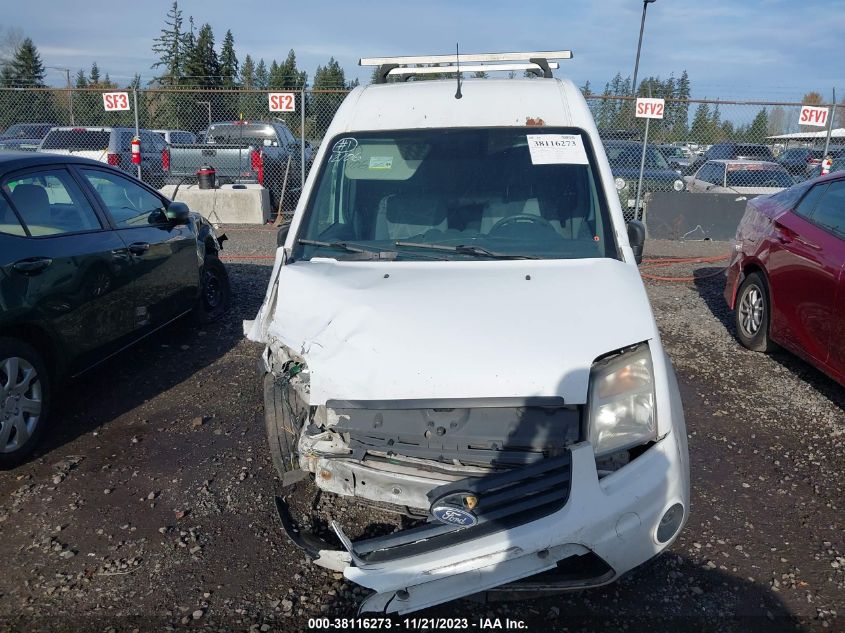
202, 66
169, 47
325, 104
700, 130
275, 79
262, 77
94, 75
25, 70
607, 109
229, 61
759, 127
682, 107
248, 73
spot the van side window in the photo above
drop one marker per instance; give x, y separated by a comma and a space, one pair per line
51, 203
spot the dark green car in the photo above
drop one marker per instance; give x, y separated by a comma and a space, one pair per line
91, 261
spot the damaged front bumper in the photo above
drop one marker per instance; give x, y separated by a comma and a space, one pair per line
554, 515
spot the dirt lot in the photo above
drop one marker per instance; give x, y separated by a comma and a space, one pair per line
150, 505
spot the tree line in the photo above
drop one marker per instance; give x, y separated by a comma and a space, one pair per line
196, 81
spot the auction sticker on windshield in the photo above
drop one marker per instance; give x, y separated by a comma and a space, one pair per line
557, 149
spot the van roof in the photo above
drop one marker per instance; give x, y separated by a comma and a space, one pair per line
485, 103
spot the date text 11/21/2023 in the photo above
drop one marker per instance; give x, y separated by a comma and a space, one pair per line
416, 624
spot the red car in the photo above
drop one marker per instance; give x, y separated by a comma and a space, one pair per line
786, 281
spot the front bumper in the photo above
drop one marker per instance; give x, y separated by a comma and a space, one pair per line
613, 519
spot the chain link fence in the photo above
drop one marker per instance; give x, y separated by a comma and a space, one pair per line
699, 146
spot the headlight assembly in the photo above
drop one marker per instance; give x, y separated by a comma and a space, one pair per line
621, 401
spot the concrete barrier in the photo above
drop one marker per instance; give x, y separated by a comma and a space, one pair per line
230, 204
694, 216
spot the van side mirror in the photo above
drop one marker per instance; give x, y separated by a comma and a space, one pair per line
178, 212
636, 237
282, 235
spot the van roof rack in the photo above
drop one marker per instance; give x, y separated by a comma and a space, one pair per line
536, 62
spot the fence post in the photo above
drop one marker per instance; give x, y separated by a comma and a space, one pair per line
832, 116
302, 140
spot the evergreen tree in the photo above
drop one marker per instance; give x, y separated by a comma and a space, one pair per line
248, 73
169, 47
681, 114
606, 109
759, 127
700, 130
262, 77
202, 66
94, 76
229, 61
325, 104
25, 70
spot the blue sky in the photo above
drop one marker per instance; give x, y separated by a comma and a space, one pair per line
742, 49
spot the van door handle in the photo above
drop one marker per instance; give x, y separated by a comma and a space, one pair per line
139, 248
32, 266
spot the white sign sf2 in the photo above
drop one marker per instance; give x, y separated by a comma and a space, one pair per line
281, 102
812, 115
650, 108
115, 101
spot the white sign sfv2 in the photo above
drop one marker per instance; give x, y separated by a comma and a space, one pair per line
281, 102
113, 101
650, 108
813, 115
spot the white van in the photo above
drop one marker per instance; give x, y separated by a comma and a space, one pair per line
457, 331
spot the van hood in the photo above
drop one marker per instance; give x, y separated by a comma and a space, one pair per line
454, 329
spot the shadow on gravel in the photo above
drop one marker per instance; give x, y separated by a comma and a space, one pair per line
670, 594
711, 289
153, 366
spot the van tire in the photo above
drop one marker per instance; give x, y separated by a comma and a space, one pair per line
282, 432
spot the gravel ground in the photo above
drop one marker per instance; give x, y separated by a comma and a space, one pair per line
150, 504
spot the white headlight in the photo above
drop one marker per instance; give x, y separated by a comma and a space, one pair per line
678, 185
621, 402
620, 184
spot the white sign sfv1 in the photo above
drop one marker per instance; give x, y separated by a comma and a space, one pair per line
813, 115
113, 101
650, 108
282, 102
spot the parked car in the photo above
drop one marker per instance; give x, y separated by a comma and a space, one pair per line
675, 156
785, 281
745, 177
242, 152
731, 151
421, 207
624, 158
838, 164
91, 261
112, 145
23, 137
177, 136
799, 160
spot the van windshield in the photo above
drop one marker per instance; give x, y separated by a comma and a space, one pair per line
509, 192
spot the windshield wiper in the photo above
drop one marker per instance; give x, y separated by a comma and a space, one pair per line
349, 248
467, 249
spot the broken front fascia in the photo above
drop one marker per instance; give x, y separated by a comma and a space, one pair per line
352, 329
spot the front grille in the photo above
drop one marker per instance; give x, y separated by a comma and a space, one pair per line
505, 500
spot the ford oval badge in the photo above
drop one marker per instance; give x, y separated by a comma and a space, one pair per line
454, 516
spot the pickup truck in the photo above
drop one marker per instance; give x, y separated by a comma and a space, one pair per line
241, 152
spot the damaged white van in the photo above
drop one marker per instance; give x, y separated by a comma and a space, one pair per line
456, 331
